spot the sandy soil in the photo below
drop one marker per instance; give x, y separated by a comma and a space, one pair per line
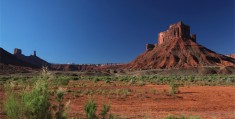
204, 101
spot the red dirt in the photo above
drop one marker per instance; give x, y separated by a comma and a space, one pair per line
203, 101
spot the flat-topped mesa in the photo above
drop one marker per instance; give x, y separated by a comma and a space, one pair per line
178, 30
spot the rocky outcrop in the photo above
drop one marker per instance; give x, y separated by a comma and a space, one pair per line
176, 48
32, 59
178, 30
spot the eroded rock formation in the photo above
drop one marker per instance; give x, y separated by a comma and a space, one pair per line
178, 30
32, 59
176, 48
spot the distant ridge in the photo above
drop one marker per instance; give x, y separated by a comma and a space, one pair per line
33, 61
9, 59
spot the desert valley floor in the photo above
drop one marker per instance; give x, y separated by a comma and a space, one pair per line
138, 96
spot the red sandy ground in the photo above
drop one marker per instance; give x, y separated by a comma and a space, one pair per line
203, 101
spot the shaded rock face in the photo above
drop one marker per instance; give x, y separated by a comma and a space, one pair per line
9, 59
176, 48
149, 47
19, 59
32, 59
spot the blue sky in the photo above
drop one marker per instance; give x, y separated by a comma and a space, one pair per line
104, 31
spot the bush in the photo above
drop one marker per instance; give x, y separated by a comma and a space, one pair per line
61, 80
36, 103
105, 110
62, 111
32, 104
12, 107
90, 109
173, 88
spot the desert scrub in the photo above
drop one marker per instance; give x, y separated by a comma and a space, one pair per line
105, 110
90, 109
35, 103
61, 111
181, 117
12, 107
61, 80
174, 89
28, 104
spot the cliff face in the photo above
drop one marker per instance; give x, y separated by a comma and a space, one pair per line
176, 48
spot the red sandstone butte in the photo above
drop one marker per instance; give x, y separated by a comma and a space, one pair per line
177, 48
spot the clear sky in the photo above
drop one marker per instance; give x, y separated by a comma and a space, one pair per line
104, 31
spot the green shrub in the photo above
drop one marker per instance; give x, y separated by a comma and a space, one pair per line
28, 104
173, 88
105, 110
90, 109
36, 103
61, 80
12, 107
61, 112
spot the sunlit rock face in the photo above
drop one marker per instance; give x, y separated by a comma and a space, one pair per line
178, 30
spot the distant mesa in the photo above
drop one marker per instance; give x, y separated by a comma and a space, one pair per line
177, 48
